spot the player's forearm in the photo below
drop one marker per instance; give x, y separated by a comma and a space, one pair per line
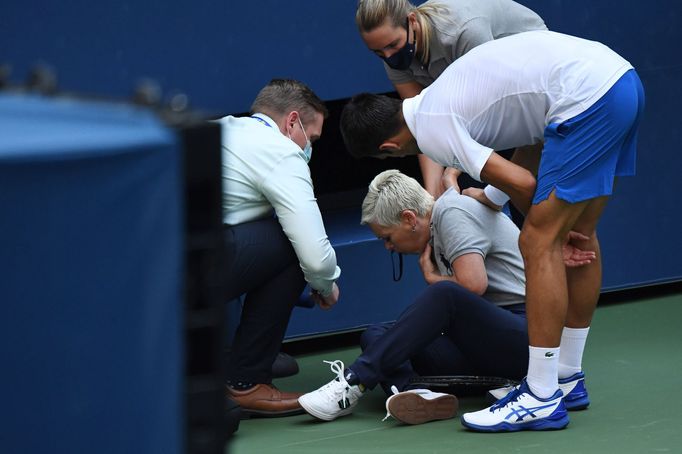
514, 180
432, 173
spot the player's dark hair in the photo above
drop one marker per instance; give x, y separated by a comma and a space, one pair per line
367, 121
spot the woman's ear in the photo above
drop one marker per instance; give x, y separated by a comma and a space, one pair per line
412, 17
408, 216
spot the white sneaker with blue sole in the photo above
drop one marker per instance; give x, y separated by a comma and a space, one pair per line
520, 410
575, 392
573, 387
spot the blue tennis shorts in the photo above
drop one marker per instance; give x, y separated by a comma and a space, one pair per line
584, 154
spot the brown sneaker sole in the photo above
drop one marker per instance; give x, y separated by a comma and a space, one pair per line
411, 408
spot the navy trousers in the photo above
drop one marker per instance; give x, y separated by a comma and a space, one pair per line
261, 264
448, 330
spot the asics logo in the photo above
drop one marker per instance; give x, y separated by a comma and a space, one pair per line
522, 412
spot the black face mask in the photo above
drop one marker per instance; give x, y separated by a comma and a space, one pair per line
402, 58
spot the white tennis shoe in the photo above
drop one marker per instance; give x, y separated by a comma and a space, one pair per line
573, 387
575, 392
520, 409
333, 400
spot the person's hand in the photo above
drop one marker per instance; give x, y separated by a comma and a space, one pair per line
479, 194
326, 302
449, 179
427, 266
574, 257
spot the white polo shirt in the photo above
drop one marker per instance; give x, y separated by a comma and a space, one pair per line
502, 94
263, 171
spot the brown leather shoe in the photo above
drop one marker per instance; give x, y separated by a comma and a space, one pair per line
266, 400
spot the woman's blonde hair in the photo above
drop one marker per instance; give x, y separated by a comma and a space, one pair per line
373, 13
390, 193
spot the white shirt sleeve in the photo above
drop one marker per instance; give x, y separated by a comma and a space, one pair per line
444, 138
288, 187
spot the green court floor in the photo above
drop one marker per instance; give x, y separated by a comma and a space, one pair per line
633, 362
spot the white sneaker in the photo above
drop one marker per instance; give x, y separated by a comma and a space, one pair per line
417, 406
575, 392
573, 387
520, 410
336, 398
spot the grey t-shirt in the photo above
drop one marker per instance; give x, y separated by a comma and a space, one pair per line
466, 24
461, 225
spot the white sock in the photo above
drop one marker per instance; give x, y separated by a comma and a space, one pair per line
572, 347
543, 365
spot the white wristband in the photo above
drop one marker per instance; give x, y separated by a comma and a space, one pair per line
495, 195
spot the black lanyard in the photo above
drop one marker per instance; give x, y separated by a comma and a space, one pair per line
400, 267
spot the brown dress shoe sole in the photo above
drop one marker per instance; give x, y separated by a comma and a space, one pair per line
248, 414
411, 408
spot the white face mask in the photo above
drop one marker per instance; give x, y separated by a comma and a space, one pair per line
308, 148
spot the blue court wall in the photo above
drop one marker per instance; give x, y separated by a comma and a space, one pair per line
639, 231
221, 52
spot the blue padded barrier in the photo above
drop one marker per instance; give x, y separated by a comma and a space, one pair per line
90, 286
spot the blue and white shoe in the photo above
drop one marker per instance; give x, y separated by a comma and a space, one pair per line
573, 387
575, 392
520, 410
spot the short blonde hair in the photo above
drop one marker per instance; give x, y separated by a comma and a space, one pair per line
373, 13
390, 193
281, 96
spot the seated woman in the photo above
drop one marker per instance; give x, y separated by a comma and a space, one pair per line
469, 321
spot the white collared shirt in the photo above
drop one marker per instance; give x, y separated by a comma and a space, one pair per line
263, 170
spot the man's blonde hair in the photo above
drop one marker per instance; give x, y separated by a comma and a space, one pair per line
281, 96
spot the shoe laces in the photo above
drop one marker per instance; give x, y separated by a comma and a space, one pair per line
337, 367
511, 397
395, 391
337, 387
